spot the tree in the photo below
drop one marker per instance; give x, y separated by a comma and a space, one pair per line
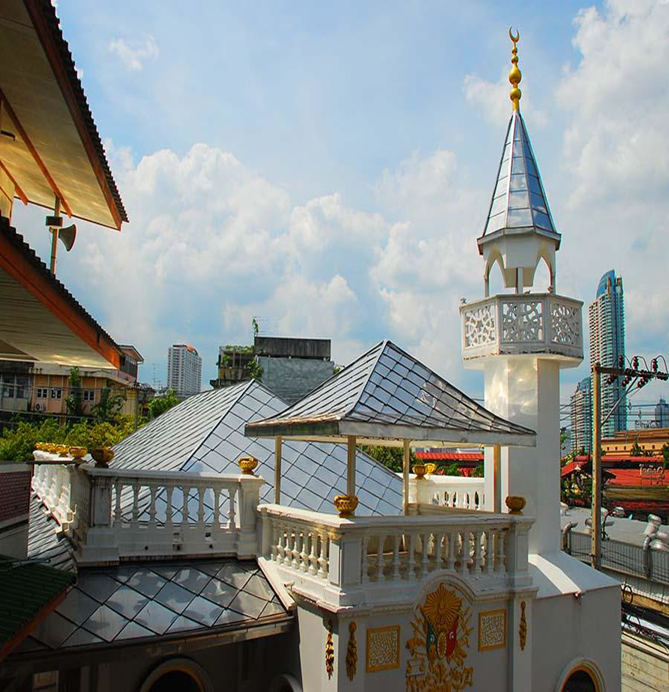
636, 450
162, 403
665, 455
109, 407
75, 399
391, 457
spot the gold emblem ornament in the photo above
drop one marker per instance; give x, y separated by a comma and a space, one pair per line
438, 648
522, 629
329, 651
351, 652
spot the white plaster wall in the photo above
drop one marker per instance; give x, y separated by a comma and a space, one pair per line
526, 391
567, 628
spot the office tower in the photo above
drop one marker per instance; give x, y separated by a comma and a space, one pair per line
662, 414
581, 417
184, 370
607, 344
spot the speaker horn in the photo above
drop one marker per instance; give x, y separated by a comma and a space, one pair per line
67, 236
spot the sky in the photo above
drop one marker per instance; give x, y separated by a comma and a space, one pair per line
327, 167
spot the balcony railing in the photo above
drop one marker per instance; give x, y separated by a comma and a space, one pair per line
456, 492
517, 324
347, 562
123, 514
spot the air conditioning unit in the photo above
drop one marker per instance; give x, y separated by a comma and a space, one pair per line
38, 407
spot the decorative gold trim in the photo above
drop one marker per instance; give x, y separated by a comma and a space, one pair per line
515, 76
389, 666
491, 613
329, 650
522, 629
351, 652
584, 668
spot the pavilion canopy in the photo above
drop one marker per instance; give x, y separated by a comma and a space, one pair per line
49, 146
387, 396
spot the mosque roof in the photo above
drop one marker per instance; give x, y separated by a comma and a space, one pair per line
386, 394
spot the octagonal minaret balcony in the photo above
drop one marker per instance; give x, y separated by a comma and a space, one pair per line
531, 323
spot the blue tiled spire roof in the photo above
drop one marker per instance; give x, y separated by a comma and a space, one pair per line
519, 200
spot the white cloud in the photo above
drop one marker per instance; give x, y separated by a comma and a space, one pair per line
133, 54
491, 100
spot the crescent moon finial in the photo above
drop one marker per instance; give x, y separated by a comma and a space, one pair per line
515, 75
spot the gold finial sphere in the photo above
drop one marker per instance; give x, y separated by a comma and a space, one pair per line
515, 75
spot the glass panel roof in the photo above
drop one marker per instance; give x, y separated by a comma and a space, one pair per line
518, 171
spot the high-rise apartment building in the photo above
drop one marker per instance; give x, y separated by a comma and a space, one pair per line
662, 414
581, 417
184, 370
607, 344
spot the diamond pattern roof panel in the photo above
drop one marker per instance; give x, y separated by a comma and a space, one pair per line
519, 199
388, 394
105, 606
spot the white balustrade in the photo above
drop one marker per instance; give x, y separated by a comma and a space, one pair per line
373, 559
457, 492
528, 323
115, 514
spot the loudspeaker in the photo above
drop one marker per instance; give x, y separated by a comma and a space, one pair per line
67, 236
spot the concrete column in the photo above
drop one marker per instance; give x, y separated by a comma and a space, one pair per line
526, 390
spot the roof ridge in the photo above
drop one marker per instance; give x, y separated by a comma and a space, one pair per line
384, 345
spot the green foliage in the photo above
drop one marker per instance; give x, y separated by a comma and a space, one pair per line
18, 443
256, 327
478, 471
254, 370
636, 450
391, 457
109, 407
665, 455
162, 403
451, 470
75, 399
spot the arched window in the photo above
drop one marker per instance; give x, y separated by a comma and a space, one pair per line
542, 277
580, 681
177, 675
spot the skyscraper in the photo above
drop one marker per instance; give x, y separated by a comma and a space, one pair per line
607, 344
581, 417
184, 370
662, 414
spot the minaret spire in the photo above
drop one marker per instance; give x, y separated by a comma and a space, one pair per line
515, 75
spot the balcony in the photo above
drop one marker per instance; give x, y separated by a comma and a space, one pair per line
113, 515
534, 323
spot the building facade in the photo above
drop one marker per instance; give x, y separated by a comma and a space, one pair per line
581, 417
607, 345
184, 370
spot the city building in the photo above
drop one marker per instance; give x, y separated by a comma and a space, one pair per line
581, 417
290, 367
184, 370
662, 414
607, 345
44, 387
649, 440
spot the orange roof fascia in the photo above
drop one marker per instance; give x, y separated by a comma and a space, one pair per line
40, 286
53, 55
17, 188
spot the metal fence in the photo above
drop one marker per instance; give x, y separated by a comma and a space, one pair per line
622, 557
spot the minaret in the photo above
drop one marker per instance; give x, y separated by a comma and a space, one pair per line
522, 339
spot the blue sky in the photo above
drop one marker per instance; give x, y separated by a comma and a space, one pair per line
327, 168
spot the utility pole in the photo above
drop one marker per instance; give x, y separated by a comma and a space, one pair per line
596, 503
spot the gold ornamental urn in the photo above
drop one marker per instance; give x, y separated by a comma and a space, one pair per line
345, 505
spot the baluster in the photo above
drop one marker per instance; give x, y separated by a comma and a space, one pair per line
313, 538
380, 560
232, 520
217, 507
135, 503
285, 556
118, 519
450, 562
321, 555
425, 544
412, 560
185, 518
396, 556
200, 507
500, 563
489, 550
304, 552
365, 545
295, 562
439, 537
169, 490
477, 552
464, 551
274, 548
152, 507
